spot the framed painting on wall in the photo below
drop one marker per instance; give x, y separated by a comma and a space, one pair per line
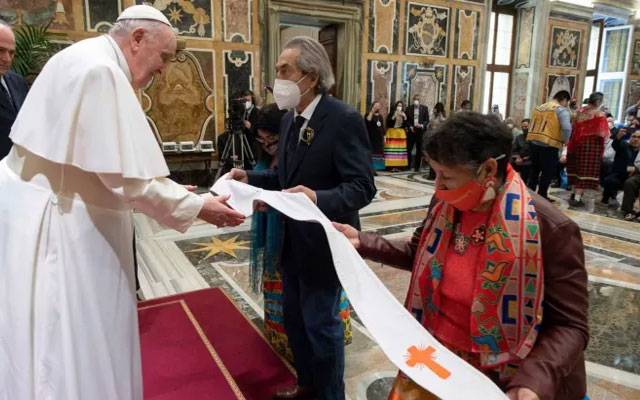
558, 82
565, 47
427, 30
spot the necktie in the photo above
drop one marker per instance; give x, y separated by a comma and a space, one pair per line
295, 131
292, 140
7, 96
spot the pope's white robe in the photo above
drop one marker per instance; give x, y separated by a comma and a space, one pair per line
84, 157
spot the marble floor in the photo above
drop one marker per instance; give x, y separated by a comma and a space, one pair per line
206, 256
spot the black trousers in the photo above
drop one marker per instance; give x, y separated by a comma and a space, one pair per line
544, 165
611, 184
316, 335
631, 192
414, 139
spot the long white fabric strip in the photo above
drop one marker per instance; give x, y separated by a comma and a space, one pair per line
407, 344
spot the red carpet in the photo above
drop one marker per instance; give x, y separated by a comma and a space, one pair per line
199, 346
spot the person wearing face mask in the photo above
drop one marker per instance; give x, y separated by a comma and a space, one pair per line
324, 153
375, 127
83, 158
395, 139
483, 262
249, 120
267, 234
417, 121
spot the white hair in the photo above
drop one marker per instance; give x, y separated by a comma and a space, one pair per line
313, 58
124, 27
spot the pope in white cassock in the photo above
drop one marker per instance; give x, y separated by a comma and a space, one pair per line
83, 158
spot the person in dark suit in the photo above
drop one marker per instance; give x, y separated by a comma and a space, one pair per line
249, 120
13, 88
417, 121
323, 153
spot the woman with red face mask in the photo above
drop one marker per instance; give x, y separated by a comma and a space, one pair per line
487, 256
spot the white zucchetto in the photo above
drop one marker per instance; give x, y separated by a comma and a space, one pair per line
143, 12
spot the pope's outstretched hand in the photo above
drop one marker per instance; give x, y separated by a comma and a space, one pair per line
216, 211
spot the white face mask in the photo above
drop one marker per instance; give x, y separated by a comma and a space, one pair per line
286, 93
416, 103
248, 104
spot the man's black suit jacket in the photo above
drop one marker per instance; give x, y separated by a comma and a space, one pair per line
423, 118
18, 89
336, 165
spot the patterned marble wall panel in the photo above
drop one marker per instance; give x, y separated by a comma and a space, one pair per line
238, 73
463, 85
427, 81
384, 26
467, 32
236, 20
635, 57
557, 82
180, 102
192, 18
427, 30
37, 12
99, 15
633, 92
565, 46
381, 83
525, 37
519, 96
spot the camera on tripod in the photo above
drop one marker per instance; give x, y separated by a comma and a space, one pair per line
237, 152
237, 111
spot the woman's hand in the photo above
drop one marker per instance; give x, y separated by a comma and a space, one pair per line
350, 233
522, 393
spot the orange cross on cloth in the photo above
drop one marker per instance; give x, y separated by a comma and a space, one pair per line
426, 358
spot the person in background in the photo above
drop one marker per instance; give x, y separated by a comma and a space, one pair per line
633, 110
249, 119
395, 141
13, 88
585, 150
625, 155
609, 154
509, 122
631, 190
375, 127
438, 118
550, 128
495, 110
465, 106
267, 234
520, 159
468, 259
417, 121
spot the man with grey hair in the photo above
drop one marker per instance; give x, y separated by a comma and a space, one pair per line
83, 158
324, 153
13, 88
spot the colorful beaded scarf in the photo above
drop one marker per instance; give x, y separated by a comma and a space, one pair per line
507, 302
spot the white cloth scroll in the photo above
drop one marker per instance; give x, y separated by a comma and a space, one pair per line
407, 344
